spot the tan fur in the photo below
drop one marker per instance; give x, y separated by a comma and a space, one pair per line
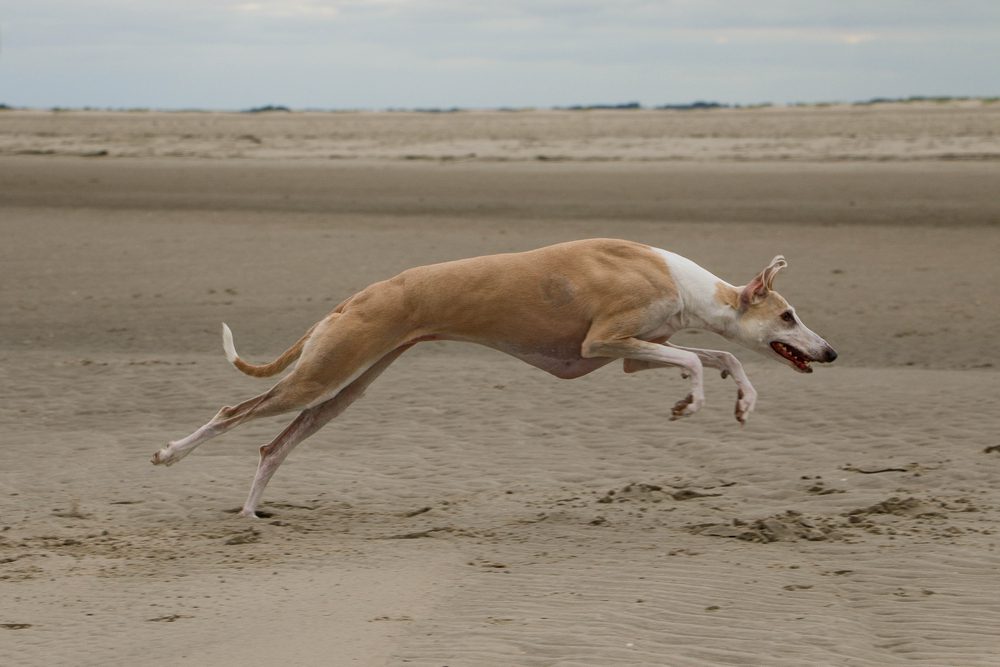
539, 306
769, 308
727, 295
279, 364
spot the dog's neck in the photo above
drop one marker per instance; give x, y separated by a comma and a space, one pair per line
709, 302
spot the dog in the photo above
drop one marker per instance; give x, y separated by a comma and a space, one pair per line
567, 309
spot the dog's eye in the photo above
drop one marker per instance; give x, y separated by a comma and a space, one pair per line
788, 317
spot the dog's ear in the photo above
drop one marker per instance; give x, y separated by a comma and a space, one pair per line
777, 264
757, 289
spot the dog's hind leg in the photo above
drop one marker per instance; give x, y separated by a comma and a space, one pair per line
308, 422
339, 351
282, 397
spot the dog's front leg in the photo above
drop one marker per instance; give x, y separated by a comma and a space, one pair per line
633, 349
746, 395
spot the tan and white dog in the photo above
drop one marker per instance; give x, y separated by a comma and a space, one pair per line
567, 309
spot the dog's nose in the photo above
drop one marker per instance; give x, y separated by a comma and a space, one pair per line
831, 355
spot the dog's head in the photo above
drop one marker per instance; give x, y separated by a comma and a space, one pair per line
767, 323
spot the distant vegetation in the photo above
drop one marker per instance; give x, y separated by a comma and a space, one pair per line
270, 108
427, 109
939, 99
695, 106
698, 105
594, 107
912, 99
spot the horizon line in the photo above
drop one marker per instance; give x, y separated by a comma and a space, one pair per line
697, 105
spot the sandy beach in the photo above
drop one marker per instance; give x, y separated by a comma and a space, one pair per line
472, 510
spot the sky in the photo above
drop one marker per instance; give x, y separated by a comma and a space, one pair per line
377, 54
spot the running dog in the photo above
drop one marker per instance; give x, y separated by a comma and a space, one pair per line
567, 309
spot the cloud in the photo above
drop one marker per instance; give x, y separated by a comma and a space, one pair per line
856, 38
371, 53
279, 9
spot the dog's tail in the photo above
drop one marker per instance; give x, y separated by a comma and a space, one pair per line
264, 370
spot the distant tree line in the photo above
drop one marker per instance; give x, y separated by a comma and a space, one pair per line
698, 105
269, 108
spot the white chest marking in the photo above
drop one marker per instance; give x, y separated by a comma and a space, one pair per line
695, 285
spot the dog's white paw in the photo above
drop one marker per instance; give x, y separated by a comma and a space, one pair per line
167, 456
746, 399
247, 514
687, 406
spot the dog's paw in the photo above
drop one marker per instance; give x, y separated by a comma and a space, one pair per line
745, 401
166, 457
686, 407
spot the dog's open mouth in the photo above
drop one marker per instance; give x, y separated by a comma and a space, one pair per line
798, 358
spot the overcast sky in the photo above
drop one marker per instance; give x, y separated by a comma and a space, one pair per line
376, 54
